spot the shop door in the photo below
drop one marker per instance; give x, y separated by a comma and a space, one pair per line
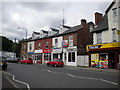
111, 62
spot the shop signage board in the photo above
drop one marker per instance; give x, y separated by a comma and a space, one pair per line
65, 43
99, 46
30, 52
38, 51
118, 31
72, 49
57, 50
47, 50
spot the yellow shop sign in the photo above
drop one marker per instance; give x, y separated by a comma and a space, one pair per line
118, 31
107, 45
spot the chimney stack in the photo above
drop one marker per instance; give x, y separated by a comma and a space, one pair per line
83, 22
98, 17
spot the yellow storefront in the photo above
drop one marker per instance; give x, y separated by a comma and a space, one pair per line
104, 55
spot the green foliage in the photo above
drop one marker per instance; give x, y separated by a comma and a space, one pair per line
10, 46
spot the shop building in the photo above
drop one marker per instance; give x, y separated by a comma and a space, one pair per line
105, 51
24, 50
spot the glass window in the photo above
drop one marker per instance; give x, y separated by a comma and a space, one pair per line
71, 57
46, 45
56, 42
30, 47
115, 14
114, 36
70, 40
99, 38
39, 44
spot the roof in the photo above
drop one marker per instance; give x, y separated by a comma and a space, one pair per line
110, 6
36, 32
102, 25
54, 29
66, 26
44, 31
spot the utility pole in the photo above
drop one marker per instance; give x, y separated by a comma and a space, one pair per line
63, 17
14, 48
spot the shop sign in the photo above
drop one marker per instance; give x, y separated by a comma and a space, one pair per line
30, 52
118, 31
107, 45
57, 50
72, 49
38, 51
65, 43
47, 50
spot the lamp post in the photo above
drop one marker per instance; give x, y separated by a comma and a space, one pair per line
24, 29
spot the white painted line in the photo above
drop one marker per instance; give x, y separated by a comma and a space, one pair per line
18, 80
71, 75
48, 70
88, 78
11, 82
109, 82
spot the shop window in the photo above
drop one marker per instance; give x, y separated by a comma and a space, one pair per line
99, 38
114, 14
71, 57
46, 45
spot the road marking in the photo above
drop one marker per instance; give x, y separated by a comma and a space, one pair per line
71, 75
18, 80
109, 81
88, 78
11, 82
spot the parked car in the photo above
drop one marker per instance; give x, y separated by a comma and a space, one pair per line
3, 63
55, 62
27, 61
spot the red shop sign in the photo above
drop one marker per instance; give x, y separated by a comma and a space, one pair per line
47, 50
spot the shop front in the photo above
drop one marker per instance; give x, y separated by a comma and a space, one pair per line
31, 55
104, 55
38, 56
71, 56
46, 55
57, 53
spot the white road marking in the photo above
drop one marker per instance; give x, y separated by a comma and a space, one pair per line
11, 82
109, 81
71, 75
18, 80
48, 70
88, 78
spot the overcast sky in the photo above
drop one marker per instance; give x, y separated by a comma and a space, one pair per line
35, 16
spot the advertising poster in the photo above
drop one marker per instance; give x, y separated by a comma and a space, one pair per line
94, 60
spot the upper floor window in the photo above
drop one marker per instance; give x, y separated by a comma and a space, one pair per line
70, 40
30, 48
99, 38
39, 44
56, 42
24, 47
114, 35
46, 45
114, 14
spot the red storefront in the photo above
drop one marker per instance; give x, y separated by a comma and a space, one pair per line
44, 45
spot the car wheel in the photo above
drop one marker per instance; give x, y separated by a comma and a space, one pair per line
61, 65
48, 65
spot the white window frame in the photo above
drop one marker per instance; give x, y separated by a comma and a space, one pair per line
99, 37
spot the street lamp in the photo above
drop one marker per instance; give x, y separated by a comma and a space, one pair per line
24, 29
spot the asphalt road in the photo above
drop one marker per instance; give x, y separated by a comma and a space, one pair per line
41, 76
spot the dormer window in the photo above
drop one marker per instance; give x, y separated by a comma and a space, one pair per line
114, 14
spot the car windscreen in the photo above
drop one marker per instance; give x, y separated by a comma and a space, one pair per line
56, 60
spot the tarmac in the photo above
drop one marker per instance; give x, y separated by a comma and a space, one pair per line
109, 70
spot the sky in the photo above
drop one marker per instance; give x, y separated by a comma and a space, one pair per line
35, 15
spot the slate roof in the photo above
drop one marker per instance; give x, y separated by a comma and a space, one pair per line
36, 32
102, 25
45, 31
54, 29
66, 26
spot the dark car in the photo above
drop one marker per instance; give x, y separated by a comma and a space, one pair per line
55, 62
3, 64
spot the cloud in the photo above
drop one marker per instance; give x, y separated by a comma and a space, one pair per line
37, 15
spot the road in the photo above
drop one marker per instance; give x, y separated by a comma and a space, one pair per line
41, 76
